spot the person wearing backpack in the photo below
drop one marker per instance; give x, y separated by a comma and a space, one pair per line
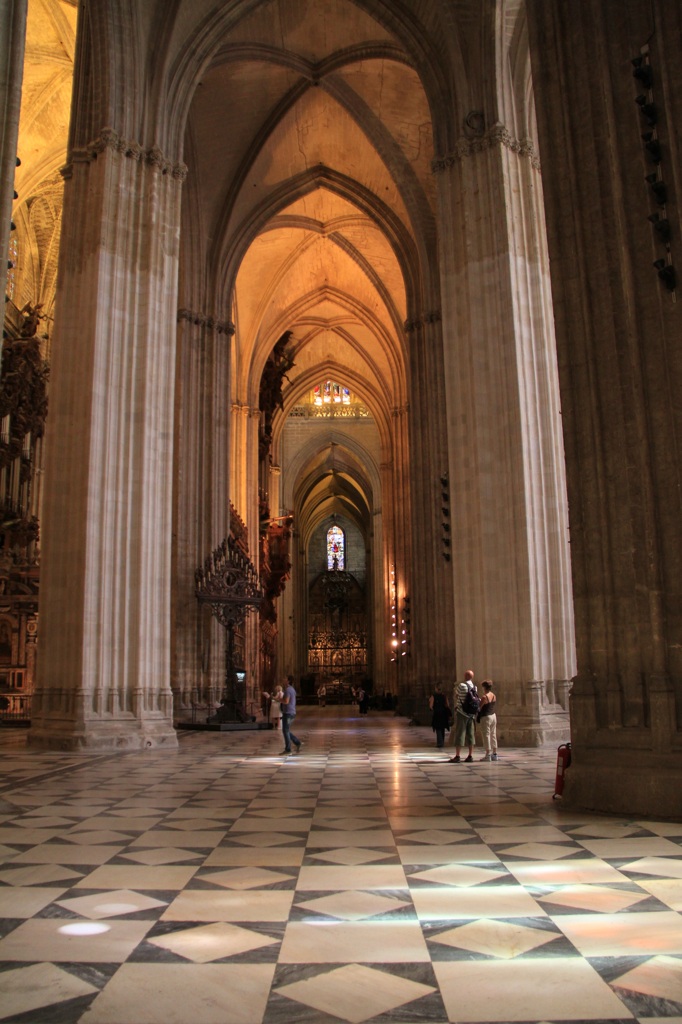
467, 704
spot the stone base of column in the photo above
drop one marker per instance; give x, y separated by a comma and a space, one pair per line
519, 730
625, 784
533, 714
113, 735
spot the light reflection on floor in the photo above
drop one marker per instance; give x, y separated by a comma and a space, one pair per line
365, 879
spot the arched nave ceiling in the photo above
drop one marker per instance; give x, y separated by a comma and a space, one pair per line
46, 92
41, 146
309, 145
334, 491
333, 479
315, 110
329, 502
333, 471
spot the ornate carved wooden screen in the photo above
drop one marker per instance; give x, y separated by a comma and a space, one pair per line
337, 640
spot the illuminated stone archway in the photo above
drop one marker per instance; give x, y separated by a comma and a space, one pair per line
325, 185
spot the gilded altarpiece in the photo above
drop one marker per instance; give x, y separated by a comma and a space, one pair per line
337, 637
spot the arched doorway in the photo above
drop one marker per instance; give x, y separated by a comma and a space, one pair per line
324, 179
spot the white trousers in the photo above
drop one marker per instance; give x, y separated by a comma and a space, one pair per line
489, 733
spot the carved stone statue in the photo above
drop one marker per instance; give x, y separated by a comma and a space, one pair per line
32, 317
271, 398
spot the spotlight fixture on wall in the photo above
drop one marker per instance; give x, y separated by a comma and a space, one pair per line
647, 109
652, 146
395, 643
661, 225
658, 187
445, 517
405, 627
10, 262
643, 72
666, 272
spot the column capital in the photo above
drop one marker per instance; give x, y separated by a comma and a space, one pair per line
416, 323
206, 320
110, 139
245, 410
498, 135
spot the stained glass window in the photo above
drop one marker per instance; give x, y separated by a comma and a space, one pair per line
328, 392
336, 548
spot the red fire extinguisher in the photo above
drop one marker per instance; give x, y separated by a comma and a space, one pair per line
563, 761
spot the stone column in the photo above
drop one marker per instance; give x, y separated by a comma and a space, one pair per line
433, 640
190, 647
12, 42
510, 561
299, 598
288, 658
398, 569
239, 440
245, 481
104, 667
618, 332
378, 664
201, 500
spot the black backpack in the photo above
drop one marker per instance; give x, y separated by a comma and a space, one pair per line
471, 702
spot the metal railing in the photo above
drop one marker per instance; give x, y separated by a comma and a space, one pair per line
17, 711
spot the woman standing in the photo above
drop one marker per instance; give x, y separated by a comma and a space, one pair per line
487, 718
276, 707
440, 714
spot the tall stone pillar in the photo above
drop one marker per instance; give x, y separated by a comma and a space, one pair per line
510, 560
398, 568
201, 502
433, 644
104, 666
618, 330
379, 665
247, 480
242, 416
12, 43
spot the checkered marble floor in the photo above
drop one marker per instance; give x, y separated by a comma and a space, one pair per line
364, 879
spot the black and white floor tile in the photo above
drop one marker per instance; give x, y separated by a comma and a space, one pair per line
365, 879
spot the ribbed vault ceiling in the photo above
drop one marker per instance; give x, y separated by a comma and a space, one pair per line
310, 197
309, 144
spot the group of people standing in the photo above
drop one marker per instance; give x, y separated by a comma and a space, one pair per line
361, 696
283, 708
469, 708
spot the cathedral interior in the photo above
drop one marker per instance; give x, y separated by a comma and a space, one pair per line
342, 340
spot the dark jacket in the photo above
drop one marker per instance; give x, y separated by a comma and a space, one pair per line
440, 716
